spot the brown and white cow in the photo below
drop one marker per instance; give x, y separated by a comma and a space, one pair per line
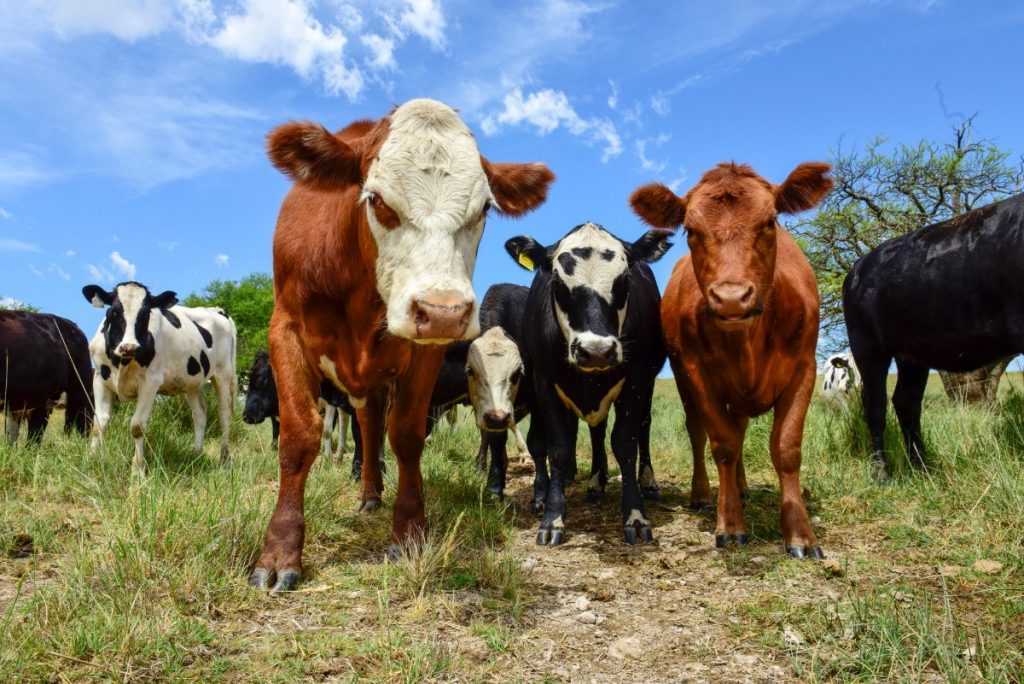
373, 255
740, 317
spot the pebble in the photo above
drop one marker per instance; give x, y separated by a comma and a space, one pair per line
987, 567
626, 647
582, 603
587, 617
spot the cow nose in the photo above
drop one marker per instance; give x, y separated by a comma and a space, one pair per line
497, 420
442, 315
731, 299
596, 354
127, 349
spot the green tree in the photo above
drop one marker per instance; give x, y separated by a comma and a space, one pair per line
888, 190
250, 302
12, 304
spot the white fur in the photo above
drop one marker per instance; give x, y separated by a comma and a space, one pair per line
167, 373
494, 357
839, 384
429, 172
636, 516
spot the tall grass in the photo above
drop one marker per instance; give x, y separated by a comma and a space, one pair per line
103, 577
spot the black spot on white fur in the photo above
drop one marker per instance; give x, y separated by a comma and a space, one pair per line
105, 371
205, 361
192, 366
171, 318
567, 262
583, 252
207, 337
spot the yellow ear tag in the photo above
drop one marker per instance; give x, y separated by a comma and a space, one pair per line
526, 262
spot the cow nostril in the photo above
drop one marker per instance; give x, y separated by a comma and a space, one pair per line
747, 296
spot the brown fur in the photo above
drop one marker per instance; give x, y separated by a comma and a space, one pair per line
725, 376
327, 305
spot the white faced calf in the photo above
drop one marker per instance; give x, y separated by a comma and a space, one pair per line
147, 346
840, 381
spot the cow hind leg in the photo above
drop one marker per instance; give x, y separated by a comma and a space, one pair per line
37, 422
538, 450
198, 406
906, 400
635, 525
874, 372
327, 432
225, 406
648, 483
342, 436
12, 426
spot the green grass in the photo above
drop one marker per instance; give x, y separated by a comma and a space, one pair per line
130, 581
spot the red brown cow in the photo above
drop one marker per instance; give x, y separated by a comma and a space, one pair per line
740, 316
373, 255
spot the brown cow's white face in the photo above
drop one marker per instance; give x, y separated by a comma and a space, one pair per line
426, 197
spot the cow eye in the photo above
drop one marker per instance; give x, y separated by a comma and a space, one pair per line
516, 376
470, 373
372, 199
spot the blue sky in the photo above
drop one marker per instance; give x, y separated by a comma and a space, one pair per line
132, 130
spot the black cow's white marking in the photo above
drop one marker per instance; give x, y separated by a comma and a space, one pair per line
593, 334
138, 357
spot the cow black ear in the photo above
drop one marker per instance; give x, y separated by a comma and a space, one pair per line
526, 252
651, 246
165, 299
97, 296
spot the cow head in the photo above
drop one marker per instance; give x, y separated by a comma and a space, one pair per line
129, 321
494, 369
261, 395
730, 218
589, 270
426, 192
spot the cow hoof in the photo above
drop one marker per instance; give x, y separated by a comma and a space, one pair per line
594, 495
550, 537
880, 472
802, 552
722, 540
287, 580
394, 553
261, 578
701, 506
652, 494
369, 505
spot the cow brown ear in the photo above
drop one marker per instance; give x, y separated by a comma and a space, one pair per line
517, 188
658, 206
308, 153
97, 296
805, 186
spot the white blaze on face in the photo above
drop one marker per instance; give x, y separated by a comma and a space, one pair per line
430, 174
495, 371
132, 297
590, 257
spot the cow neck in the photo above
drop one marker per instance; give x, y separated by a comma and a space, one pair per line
748, 349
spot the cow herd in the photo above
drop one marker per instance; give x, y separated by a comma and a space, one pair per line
375, 318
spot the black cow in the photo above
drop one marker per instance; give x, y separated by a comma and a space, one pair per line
947, 296
594, 339
41, 357
261, 403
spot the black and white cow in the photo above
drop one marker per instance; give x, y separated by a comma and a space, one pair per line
43, 358
840, 381
593, 334
147, 345
261, 403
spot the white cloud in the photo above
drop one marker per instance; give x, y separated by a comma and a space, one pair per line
660, 104
170, 245
21, 168
54, 268
32, 267
613, 99
677, 183
221, 260
4, 214
548, 110
127, 19
12, 245
649, 165
425, 19
69, 253
11, 303
286, 32
349, 16
122, 265
382, 51
99, 273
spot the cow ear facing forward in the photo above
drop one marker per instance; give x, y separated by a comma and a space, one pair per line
805, 186
97, 296
651, 246
517, 188
527, 252
308, 153
658, 206
165, 299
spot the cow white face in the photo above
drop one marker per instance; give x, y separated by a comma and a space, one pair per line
427, 197
841, 373
589, 271
494, 370
129, 322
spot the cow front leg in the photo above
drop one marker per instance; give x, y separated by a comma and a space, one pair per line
786, 441
198, 406
726, 438
104, 399
499, 463
143, 408
538, 450
560, 439
648, 483
342, 447
598, 462
635, 524
225, 407
327, 433
37, 422
366, 465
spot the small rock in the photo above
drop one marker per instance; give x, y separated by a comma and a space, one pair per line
903, 596
815, 519
529, 563
791, 635
746, 660
602, 594
626, 647
758, 560
606, 575
987, 567
833, 567
587, 617
582, 603
832, 594
950, 570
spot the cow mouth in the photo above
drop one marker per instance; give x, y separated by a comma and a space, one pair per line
735, 321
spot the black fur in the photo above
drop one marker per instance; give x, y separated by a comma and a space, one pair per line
192, 366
